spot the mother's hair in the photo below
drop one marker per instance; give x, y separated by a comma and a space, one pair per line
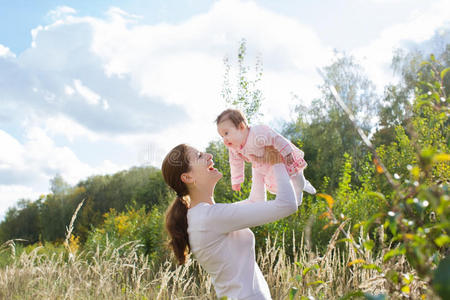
176, 163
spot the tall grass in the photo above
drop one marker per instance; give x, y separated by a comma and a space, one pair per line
115, 274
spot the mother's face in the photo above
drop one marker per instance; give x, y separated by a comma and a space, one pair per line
202, 171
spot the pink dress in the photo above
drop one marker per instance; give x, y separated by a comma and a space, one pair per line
258, 137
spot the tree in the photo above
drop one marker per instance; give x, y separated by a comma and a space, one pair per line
397, 103
323, 131
248, 96
58, 186
21, 222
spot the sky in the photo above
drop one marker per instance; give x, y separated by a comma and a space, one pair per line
96, 87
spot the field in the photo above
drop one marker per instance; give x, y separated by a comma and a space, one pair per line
43, 273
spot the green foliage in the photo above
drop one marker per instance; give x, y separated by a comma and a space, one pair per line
46, 218
441, 279
417, 223
119, 230
306, 279
21, 222
223, 192
324, 131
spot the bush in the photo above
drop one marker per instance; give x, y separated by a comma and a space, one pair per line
128, 226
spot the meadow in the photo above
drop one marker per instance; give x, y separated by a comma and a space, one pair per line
378, 228
42, 273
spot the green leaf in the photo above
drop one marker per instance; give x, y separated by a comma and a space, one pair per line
392, 253
370, 221
393, 226
372, 267
292, 292
442, 240
316, 282
392, 275
306, 270
369, 244
445, 71
351, 295
441, 279
344, 240
377, 195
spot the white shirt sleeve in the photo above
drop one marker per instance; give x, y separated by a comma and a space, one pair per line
227, 217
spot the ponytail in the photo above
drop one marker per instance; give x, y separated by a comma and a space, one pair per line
176, 225
175, 164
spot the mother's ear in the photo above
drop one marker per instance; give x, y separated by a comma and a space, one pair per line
186, 178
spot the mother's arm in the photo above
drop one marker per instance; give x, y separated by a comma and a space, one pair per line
258, 190
224, 217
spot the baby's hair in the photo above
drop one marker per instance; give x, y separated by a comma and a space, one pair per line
234, 115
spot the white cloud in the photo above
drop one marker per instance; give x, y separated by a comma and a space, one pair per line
6, 52
11, 152
90, 96
39, 158
182, 63
69, 90
11, 193
105, 104
62, 125
61, 11
376, 57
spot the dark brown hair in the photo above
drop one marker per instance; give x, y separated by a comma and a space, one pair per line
234, 115
176, 163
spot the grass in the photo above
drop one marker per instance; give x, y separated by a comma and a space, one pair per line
114, 274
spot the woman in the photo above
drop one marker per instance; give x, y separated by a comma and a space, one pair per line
218, 234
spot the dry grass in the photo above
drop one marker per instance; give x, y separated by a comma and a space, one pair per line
110, 275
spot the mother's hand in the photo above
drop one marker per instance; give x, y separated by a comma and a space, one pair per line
271, 156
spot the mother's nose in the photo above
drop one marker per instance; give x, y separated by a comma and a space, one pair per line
210, 156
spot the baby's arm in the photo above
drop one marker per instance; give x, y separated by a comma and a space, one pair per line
236, 169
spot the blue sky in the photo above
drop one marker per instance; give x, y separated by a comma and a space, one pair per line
94, 87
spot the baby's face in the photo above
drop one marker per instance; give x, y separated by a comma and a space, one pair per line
232, 137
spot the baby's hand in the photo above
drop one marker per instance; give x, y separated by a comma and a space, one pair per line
236, 187
289, 159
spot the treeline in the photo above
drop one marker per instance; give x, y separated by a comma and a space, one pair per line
47, 218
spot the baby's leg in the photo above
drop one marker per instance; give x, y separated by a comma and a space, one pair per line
298, 182
309, 187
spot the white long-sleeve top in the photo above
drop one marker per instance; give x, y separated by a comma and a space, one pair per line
223, 244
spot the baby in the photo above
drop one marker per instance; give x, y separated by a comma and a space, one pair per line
244, 141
